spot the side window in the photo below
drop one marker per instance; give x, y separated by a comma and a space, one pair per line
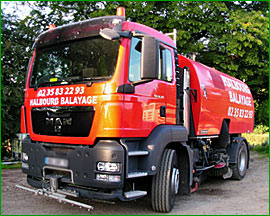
135, 60
169, 71
162, 63
165, 65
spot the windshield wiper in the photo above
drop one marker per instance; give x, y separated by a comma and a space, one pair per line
72, 80
88, 80
50, 83
77, 79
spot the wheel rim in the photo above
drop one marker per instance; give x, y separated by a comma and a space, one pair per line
175, 180
242, 160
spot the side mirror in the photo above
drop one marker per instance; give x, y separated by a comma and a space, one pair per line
149, 58
109, 34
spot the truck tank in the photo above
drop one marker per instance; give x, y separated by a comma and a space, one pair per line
219, 97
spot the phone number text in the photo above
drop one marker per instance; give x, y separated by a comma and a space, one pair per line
61, 91
240, 113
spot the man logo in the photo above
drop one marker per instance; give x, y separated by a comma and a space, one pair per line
58, 121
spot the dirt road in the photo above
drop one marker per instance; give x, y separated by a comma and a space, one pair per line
215, 196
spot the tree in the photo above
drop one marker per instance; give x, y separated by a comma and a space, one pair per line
241, 50
15, 52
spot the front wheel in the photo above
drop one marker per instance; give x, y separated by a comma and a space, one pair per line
165, 183
240, 168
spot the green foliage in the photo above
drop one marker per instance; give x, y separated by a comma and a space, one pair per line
256, 139
11, 166
259, 139
262, 149
261, 129
260, 135
241, 48
15, 52
262, 112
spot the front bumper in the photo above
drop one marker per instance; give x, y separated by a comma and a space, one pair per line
80, 172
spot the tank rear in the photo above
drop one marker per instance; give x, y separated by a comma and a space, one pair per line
219, 97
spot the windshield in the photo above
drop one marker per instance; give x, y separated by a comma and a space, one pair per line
89, 59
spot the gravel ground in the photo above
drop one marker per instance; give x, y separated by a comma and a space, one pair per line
215, 196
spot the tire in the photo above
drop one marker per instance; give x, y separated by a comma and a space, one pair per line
240, 168
165, 184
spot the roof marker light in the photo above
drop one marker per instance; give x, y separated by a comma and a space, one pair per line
120, 12
51, 26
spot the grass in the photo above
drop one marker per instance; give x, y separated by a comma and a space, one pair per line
11, 166
262, 149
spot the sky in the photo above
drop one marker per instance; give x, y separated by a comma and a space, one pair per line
15, 7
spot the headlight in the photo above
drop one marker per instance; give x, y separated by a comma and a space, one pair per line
108, 166
25, 156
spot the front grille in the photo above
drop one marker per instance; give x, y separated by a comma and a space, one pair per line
62, 121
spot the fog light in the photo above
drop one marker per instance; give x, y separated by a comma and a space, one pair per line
108, 178
102, 177
25, 165
108, 166
25, 156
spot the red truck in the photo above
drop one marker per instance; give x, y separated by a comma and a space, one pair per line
111, 111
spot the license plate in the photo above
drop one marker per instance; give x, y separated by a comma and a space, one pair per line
56, 162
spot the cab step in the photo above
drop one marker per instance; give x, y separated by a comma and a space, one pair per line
137, 174
138, 153
135, 194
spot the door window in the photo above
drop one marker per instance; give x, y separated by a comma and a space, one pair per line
165, 62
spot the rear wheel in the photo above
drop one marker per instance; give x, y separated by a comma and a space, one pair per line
165, 184
240, 168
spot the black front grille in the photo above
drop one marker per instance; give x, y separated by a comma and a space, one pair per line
63, 121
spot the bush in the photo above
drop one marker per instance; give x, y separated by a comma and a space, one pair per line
256, 139
261, 129
259, 139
